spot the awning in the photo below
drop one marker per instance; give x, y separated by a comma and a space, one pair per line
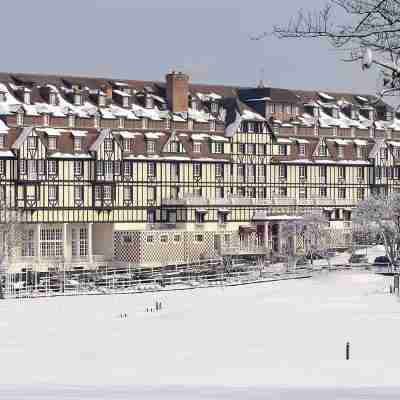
394, 144
301, 141
78, 133
201, 210
283, 141
359, 142
51, 131
129, 135
224, 210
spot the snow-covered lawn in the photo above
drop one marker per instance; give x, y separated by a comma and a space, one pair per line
281, 340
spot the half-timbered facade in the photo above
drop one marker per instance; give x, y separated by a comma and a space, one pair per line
154, 173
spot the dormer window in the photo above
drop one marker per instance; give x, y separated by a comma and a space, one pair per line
52, 99
196, 147
71, 121
190, 124
335, 113
52, 143
212, 125
108, 145
46, 119
250, 127
77, 144
144, 123
102, 100
150, 146
149, 101
389, 115
214, 107
2, 97
193, 105
32, 143
2, 141
27, 97
121, 122
125, 101
97, 121
354, 114
20, 118
127, 143
77, 99
340, 151
371, 115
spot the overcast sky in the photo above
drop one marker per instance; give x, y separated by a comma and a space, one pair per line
208, 39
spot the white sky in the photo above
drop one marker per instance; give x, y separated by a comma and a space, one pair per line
144, 39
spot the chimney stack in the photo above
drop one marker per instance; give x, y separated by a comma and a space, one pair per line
177, 91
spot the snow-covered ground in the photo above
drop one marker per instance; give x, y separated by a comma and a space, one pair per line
280, 340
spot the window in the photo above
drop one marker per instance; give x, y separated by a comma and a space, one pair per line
127, 143
22, 167
340, 151
359, 151
121, 122
250, 127
151, 193
342, 193
222, 218
241, 171
251, 148
97, 193
177, 238
127, 168
77, 144
241, 191
251, 192
97, 121
78, 193
164, 238
32, 142
108, 168
102, 100
218, 147
323, 192
1, 173
150, 239
51, 242
151, 169
212, 125
214, 107
78, 167
28, 243
303, 193
384, 154
52, 167
341, 173
303, 172
196, 147
79, 243
41, 164
125, 101
282, 191
197, 192
150, 146
46, 119
52, 99
2, 141
20, 118
71, 121
52, 143
127, 193
53, 190
322, 150
360, 193
219, 170
219, 192
242, 148
283, 150
302, 149
196, 169
108, 144
107, 192
360, 173
323, 173
78, 99
198, 238
282, 172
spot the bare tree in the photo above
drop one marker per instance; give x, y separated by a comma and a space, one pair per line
380, 215
366, 30
11, 235
307, 235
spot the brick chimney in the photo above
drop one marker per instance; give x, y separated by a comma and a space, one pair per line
177, 91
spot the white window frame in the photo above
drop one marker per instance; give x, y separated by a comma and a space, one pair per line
78, 168
196, 147
282, 149
52, 142
77, 144
302, 149
52, 192
151, 169
2, 141
151, 146
108, 144
218, 148
78, 193
52, 167
196, 169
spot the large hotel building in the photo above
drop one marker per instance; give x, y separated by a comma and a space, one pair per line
154, 173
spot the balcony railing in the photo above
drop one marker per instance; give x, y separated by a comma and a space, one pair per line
247, 201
